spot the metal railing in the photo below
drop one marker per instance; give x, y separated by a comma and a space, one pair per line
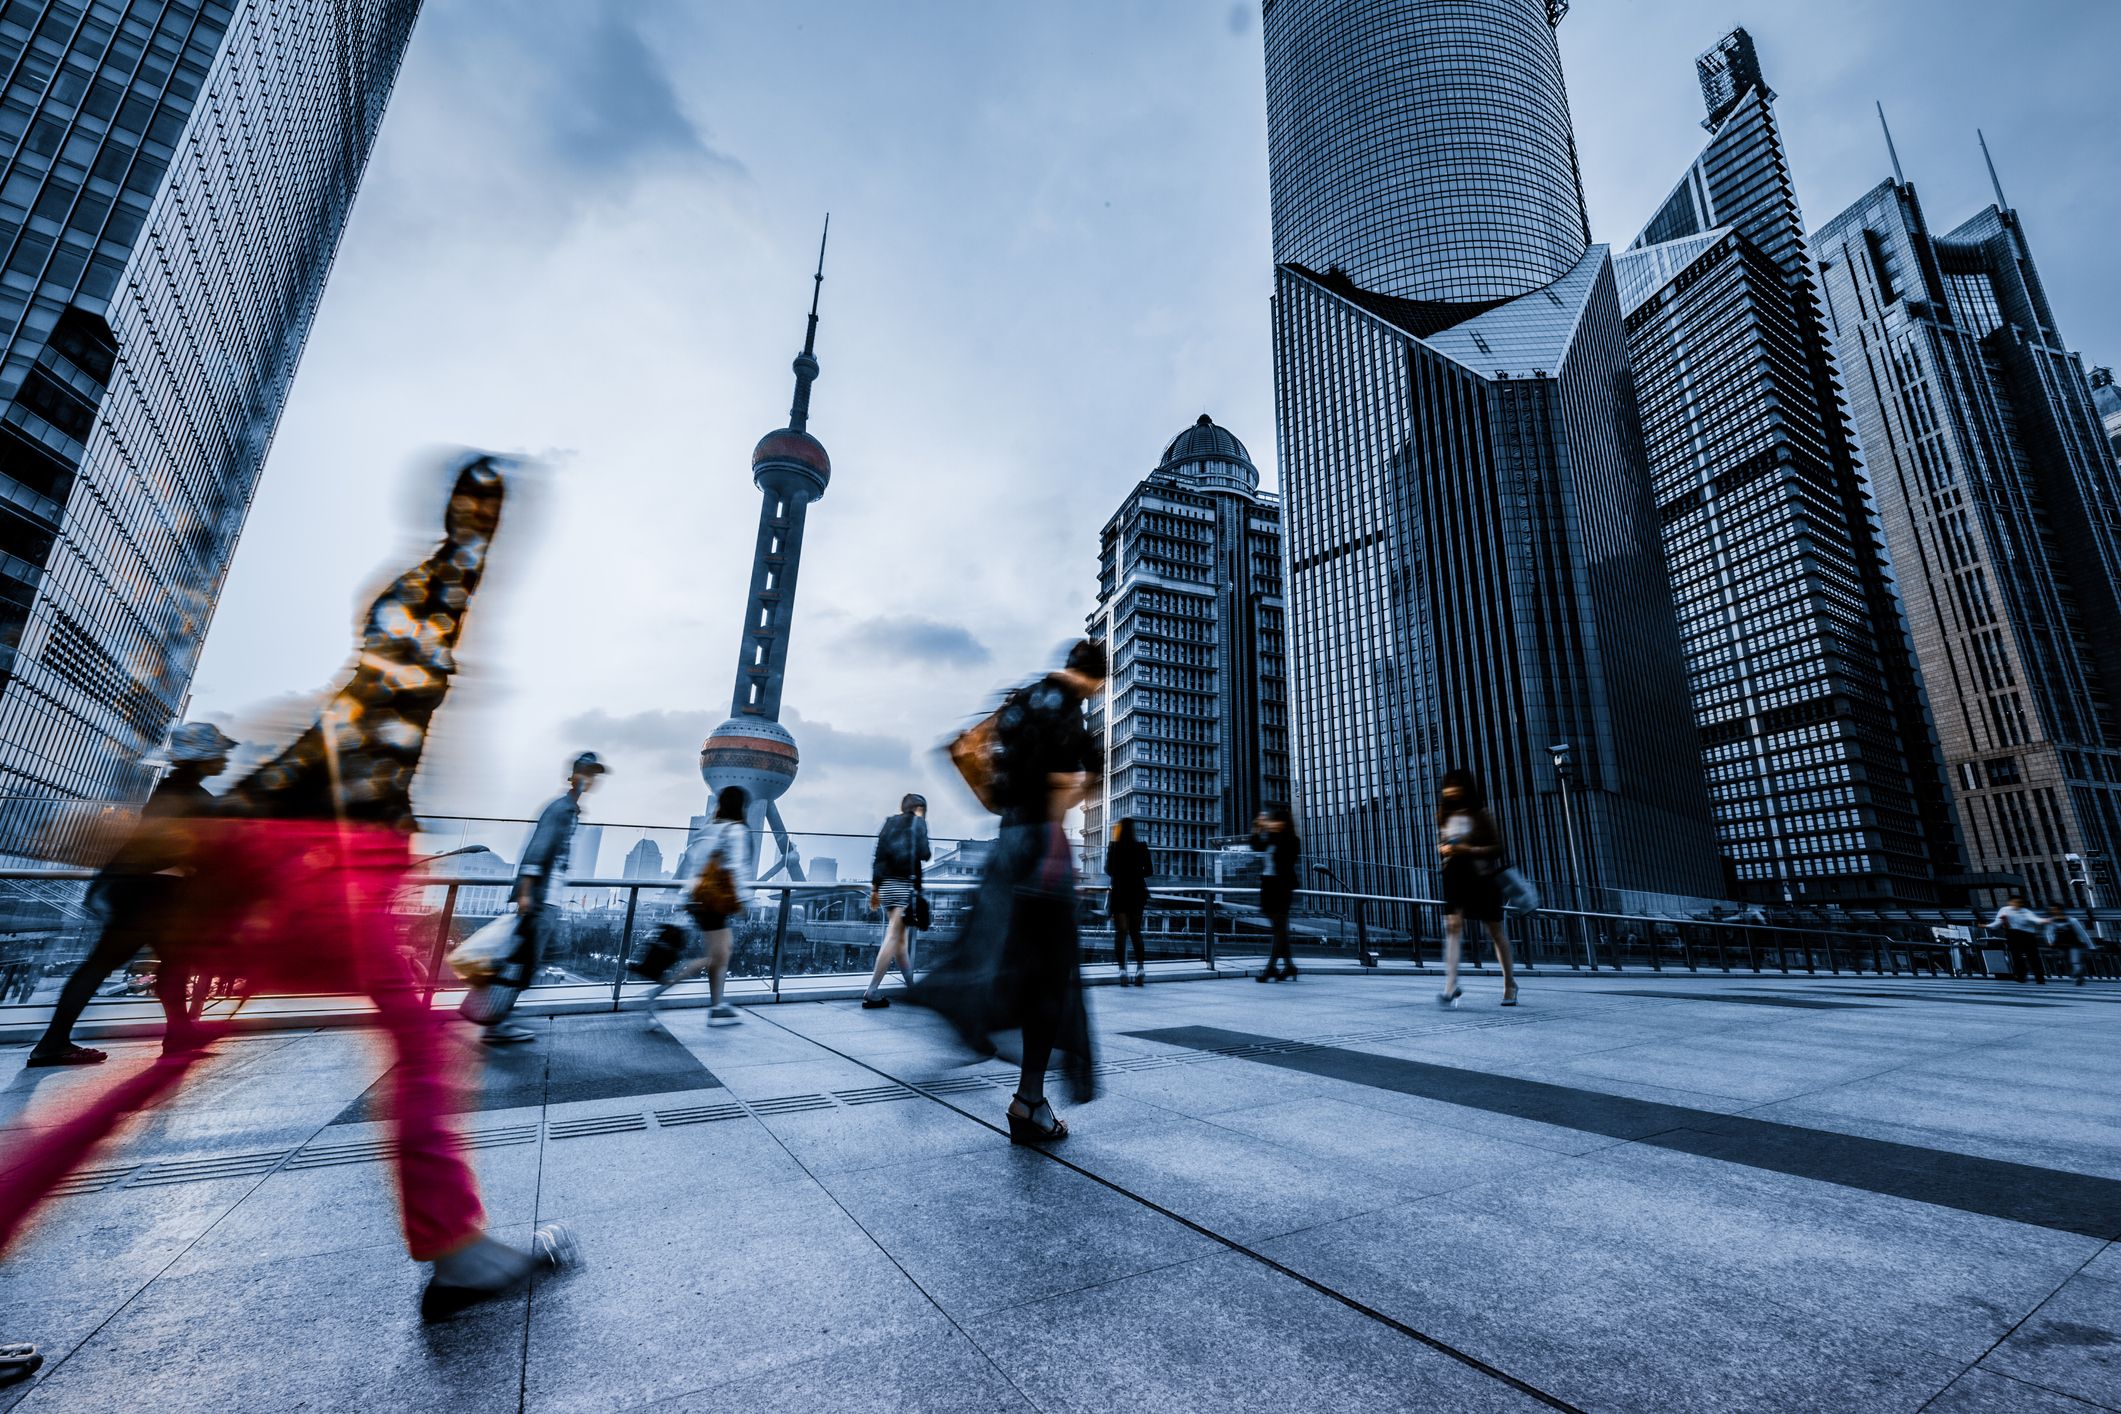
823, 936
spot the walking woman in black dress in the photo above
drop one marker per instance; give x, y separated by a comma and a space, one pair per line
1127, 869
1274, 839
1471, 847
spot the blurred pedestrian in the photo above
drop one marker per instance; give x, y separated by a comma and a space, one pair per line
539, 917
1280, 860
1471, 847
1127, 868
1016, 963
717, 894
2023, 932
895, 874
294, 880
2064, 931
135, 892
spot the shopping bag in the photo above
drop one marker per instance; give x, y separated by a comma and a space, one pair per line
1518, 895
661, 954
483, 954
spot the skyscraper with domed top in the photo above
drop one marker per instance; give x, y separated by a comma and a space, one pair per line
752, 749
1194, 718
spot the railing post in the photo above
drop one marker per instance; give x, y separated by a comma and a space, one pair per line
1208, 923
1362, 939
434, 958
1752, 948
618, 980
780, 936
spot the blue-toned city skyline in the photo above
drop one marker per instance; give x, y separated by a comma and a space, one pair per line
1039, 269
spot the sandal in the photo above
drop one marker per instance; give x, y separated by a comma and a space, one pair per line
1025, 1128
72, 1055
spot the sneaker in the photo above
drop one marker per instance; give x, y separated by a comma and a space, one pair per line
508, 1033
724, 1014
487, 1269
1450, 998
871, 1002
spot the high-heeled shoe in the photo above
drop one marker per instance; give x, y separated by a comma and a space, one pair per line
1509, 995
1450, 998
1025, 1128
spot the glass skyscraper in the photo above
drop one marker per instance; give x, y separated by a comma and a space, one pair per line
1822, 766
174, 177
2002, 508
1195, 717
1474, 570
2107, 399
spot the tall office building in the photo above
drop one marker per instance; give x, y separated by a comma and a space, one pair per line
2106, 399
174, 176
1822, 766
1195, 715
2002, 509
1474, 570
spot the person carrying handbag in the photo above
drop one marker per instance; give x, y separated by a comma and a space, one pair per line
901, 845
1470, 845
716, 897
539, 879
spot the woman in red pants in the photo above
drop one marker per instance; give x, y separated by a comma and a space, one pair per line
289, 887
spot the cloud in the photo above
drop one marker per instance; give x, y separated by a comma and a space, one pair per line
666, 738
1239, 19
827, 748
535, 112
663, 737
908, 637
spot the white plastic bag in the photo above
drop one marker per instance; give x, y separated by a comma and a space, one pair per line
481, 955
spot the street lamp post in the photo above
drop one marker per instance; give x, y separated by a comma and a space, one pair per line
1565, 773
2080, 878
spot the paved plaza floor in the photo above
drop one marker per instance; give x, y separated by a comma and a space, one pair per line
1632, 1192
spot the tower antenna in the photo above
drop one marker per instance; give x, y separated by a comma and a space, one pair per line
817, 287
1993, 180
1891, 150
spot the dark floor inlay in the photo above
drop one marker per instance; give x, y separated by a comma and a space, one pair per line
1743, 998
608, 1058
2041, 1197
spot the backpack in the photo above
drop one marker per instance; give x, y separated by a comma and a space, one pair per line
981, 751
895, 848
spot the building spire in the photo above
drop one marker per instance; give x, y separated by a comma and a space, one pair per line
806, 369
1993, 180
1891, 150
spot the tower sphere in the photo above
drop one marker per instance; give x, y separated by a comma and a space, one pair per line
791, 463
752, 752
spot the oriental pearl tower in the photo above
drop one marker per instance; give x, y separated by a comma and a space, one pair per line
752, 749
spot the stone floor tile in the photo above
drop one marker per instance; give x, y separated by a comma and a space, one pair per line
1222, 1335
1004, 1226
2071, 1345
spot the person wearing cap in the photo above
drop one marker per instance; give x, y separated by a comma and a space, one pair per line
539, 879
134, 891
901, 846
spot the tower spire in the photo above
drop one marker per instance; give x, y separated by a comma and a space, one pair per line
806, 369
1891, 151
1994, 181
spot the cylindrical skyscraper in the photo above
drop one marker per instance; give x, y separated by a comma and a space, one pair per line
1423, 146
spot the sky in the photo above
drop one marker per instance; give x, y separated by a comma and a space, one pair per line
586, 236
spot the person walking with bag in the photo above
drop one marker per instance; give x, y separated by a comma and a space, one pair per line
1281, 854
1016, 964
1127, 871
1471, 848
901, 846
717, 895
539, 879
137, 894
293, 883
2067, 932
2023, 932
